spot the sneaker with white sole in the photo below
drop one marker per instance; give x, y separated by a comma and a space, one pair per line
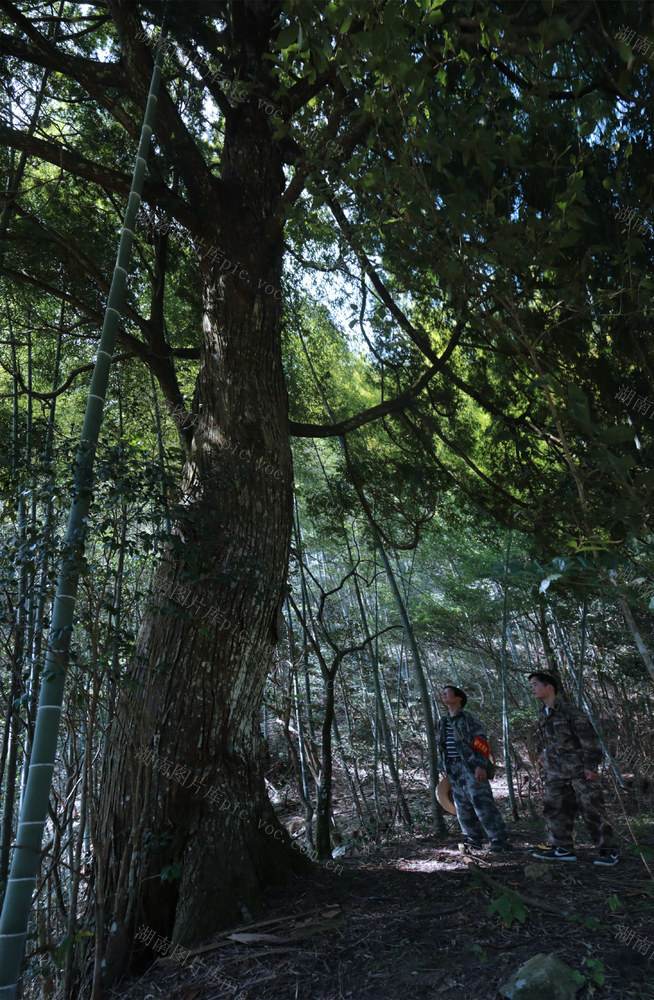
554, 854
607, 857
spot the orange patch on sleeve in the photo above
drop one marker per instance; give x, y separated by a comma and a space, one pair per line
481, 745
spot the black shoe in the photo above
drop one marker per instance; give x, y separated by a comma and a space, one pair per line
503, 847
607, 856
554, 854
470, 845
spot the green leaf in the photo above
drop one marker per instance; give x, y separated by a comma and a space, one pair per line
287, 36
596, 966
563, 27
60, 954
618, 435
66, 943
435, 17
345, 26
171, 872
510, 907
578, 400
625, 52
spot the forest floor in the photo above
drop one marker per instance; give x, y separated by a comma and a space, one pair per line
410, 920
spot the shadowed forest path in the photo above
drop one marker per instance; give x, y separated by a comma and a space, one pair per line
412, 921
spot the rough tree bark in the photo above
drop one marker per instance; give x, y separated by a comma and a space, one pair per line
198, 673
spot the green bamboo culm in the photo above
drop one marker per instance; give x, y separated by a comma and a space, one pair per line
31, 822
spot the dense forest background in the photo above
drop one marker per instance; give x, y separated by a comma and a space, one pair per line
377, 420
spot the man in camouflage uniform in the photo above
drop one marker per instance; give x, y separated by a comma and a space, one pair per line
572, 756
465, 754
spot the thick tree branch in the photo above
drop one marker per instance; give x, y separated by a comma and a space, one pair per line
554, 95
84, 71
135, 345
304, 91
395, 405
518, 39
133, 79
69, 250
24, 391
186, 353
366, 416
514, 422
419, 337
107, 74
204, 189
469, 462
189, 46
162, 368
91, 170
303, 168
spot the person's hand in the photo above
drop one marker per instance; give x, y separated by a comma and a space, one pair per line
591, 775
480, 774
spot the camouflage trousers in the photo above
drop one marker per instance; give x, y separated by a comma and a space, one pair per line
563, 798
476, 811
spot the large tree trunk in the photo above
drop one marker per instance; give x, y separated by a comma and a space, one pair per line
199, 672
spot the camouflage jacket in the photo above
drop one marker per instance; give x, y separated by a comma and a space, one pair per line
468, 730
569, 741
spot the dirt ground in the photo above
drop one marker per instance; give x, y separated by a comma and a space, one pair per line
410, 920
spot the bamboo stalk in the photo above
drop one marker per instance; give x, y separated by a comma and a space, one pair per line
506, 739
18, 899
18, 655
385, 734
